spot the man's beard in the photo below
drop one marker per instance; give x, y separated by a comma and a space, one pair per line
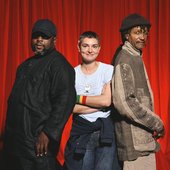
43, 52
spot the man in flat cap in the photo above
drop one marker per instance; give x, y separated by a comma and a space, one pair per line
40, 103
138, 127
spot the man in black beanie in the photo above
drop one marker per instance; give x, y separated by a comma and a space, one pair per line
40, 103
138, 126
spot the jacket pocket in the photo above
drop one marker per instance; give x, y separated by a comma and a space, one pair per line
142, 140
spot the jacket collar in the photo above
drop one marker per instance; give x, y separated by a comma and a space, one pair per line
128, 47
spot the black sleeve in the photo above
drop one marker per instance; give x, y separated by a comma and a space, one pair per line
63, 98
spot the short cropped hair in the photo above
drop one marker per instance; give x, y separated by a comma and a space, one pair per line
88, 34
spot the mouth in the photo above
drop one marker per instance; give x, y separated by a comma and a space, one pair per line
89, 54
39, 46
141, 42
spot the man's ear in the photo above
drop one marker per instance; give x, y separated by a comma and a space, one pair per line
127, 36
54, 40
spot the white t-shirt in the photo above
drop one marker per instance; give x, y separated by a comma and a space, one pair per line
92, 85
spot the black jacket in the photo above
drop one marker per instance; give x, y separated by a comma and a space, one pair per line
42, 99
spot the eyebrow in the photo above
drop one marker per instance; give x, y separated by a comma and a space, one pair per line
89, 44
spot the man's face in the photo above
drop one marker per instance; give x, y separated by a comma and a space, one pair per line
89, 49
41, 43
137, 37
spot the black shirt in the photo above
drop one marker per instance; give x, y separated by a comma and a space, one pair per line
42, 99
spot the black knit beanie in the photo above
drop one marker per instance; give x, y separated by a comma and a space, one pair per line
133, 20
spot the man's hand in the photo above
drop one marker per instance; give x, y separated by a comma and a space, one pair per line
42, 144
159, 134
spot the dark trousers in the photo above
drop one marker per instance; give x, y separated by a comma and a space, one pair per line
20, 163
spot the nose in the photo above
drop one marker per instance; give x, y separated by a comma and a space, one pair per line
39, 38
143, 35
90, 49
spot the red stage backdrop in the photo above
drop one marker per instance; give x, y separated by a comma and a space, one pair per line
73, 17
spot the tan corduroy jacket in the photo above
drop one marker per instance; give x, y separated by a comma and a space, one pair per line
132, 97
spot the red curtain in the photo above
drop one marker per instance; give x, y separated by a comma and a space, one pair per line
73, 17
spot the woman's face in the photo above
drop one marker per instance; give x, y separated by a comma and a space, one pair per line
89, 49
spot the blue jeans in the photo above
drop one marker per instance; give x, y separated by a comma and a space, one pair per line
98, 157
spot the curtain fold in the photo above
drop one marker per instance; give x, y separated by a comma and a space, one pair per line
73, 17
